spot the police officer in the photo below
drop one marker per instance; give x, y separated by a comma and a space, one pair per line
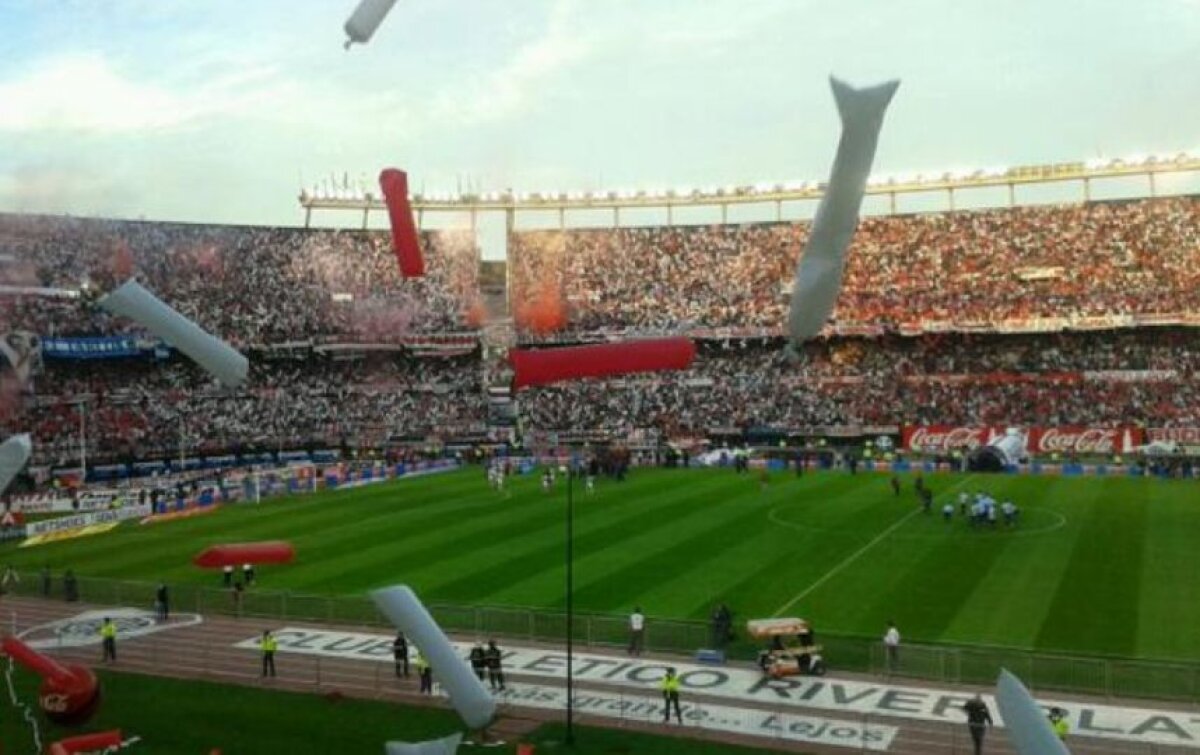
108, 634
670, 691
478, 659
400, 654
978, 720
494, 658
269, 645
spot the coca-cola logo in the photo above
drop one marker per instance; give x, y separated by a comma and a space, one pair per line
1087, 441
946, 439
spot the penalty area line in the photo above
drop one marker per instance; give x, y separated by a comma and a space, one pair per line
854, 557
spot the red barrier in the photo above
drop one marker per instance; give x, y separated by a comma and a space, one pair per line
542, 366
236, 554
69, 694
405, 242
101, 740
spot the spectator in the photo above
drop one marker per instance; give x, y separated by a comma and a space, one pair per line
637, 632
891, 643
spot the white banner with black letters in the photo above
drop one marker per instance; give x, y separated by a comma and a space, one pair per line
746, 685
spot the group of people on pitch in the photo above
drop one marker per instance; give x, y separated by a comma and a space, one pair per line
984, 511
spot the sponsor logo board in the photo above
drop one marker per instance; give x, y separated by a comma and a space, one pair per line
942, 439
78, 521
745, 685
1189, 436
59, 535
1083, 441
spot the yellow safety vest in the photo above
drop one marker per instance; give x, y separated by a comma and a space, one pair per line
670, 684
270, 645
108, 631
421, 663
1062, 728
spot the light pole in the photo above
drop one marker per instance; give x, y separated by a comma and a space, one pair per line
570, 603
82, 441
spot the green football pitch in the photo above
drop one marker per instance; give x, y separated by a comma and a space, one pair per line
1096, 566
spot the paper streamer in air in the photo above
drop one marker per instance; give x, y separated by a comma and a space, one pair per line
14, 455
236, 554
403, 608
541, 366
405, 242
365, 19
217, 357
819, 273
1025, 722
444, 746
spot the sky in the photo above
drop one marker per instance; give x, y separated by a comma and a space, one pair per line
219, 111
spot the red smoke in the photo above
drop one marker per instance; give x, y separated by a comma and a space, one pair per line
122, 262
543, 312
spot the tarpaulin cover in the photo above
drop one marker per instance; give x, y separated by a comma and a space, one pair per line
542, 366
407, 246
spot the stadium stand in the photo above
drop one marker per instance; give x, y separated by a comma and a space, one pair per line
931, 328
247, 285
1103, 259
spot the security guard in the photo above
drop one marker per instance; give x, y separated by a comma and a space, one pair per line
670, 690
400, 654
108, 633
424, 673
269, 645
1058, 720
478, 659
979, 718
493, 657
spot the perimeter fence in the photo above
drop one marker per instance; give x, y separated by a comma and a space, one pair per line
957, 664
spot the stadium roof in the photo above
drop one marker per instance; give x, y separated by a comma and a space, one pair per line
346, 197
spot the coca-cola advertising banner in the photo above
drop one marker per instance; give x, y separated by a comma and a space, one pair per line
942, 439
1039, 441
1084, 441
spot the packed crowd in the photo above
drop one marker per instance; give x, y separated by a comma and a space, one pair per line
143, 408
1098, 379
1096, 259
247, 285
137, 409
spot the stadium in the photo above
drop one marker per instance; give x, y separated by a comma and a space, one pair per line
985, 461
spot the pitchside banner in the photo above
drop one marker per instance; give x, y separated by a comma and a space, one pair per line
1077, 440
79, 521
825, 710
1184, 436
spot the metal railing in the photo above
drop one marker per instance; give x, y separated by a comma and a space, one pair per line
1113, 677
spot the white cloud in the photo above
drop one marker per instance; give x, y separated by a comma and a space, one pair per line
509, 88
85, 93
